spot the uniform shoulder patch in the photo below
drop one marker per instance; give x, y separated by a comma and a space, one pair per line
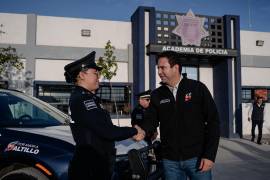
90, 104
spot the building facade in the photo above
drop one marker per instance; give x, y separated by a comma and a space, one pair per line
231, 62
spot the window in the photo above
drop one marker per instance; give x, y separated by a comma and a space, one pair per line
246, 95
22, 111
166, 23
172, 16
172, 23
120, 94
165, 16
250, 93
166, 35
57, 94
4, 84
190, 72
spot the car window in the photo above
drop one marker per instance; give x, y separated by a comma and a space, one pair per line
18, 112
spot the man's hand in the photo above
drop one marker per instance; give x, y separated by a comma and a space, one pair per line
206, 165
249, 119
140, 135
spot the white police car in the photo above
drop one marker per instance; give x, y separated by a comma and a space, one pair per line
36, 143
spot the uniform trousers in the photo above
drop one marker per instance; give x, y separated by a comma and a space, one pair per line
88, 164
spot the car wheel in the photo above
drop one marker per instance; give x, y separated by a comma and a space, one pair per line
27, 173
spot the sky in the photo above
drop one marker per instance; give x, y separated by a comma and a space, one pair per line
254, 14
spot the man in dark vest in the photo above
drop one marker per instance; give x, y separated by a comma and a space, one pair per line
257, 116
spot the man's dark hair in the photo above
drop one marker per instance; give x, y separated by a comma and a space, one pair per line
173, 58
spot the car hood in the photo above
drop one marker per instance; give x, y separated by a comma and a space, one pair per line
64, 133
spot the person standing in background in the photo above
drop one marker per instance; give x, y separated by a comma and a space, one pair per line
137, 115
256, 115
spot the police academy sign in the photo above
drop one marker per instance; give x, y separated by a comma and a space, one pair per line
190, 29
152, 48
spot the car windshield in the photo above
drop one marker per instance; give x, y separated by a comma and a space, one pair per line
20, 110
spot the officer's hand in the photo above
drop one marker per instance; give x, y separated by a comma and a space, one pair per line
249, 119
140, 135
206, 165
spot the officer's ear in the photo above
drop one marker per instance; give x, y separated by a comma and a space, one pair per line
81, 75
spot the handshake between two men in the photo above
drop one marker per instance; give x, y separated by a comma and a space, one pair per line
140, 135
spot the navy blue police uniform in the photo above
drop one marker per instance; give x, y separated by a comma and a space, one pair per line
137, 115
92, 129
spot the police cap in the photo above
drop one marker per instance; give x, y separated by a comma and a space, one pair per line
72, 69
145, 94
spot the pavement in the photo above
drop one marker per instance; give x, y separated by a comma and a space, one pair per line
265, 138
241, 159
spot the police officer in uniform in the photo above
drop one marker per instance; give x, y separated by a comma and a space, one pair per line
137, 115
138, 111
91, 125
257, 118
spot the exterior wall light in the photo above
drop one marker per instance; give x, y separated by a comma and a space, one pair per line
2, 32
86, 32
259, 43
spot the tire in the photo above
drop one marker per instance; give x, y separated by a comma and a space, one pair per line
28, 173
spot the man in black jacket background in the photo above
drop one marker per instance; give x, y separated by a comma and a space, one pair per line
188, 119
257, 118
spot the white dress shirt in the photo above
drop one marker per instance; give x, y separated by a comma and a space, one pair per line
175, 88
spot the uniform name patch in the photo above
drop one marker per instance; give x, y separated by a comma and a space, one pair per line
138, 116
164, 101
90, 104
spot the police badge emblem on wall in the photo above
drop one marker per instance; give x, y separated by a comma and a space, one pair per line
190, 29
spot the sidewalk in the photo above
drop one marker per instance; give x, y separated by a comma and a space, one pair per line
241, 159
265, 138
